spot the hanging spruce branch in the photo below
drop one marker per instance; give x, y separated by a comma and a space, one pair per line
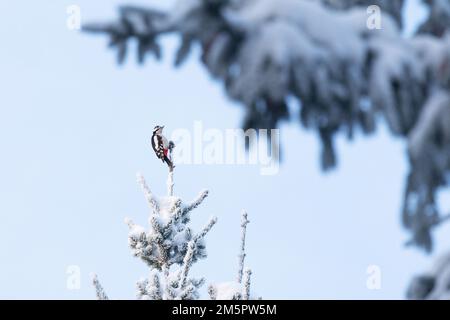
342, 73
169, 247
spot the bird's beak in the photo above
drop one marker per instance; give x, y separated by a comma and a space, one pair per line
162, 127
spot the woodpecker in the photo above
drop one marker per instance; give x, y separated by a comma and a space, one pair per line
162, 146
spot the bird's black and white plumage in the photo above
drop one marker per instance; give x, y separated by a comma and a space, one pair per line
162, 147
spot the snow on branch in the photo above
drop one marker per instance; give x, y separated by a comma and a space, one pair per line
187, 263
136, 22
438, 22
152, 202
429, 155
321, 54
239, 289
188, 259
101, 295
154, 290
205, 229
242, 255
392, 7
170, 184
196, 202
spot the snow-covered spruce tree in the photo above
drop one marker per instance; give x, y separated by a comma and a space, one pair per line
170, 248
322, 54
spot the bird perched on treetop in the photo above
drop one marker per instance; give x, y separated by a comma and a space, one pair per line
162, 147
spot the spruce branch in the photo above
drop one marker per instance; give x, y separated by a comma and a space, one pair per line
169, 248
100, 292
242, 254
189, 257
151, 200
247, 276
170, 184
159, 239
155, 287
266, 53
187, 263
212, 291
188, 292
206, 229
141, 289
196, 202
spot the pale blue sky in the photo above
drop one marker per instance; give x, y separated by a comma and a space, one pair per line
74, 130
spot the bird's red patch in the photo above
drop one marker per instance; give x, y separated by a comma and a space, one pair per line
166, 151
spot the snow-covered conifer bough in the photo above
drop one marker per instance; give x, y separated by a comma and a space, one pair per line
169, 247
